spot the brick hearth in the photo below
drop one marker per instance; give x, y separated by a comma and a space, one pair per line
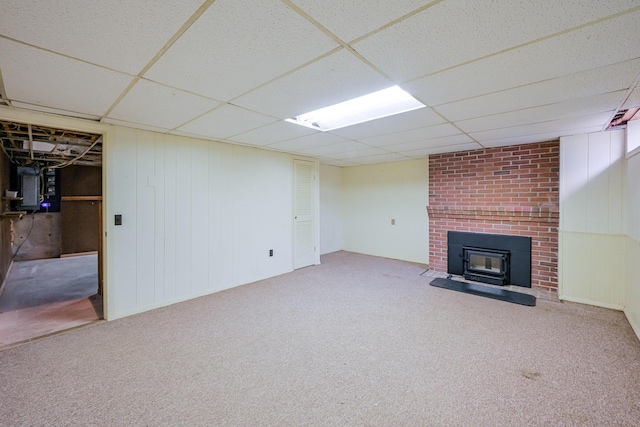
508, 190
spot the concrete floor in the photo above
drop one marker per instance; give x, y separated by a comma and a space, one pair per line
41, 297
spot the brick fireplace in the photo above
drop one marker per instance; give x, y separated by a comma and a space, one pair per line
508, 190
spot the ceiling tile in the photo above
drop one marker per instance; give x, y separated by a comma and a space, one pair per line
528, 139
193, 135
343, 148
587, 83
569, 53
354, 152
226, 121
318, 139
419, 134
392, 124
633, 100
98, 31
432, 41
337, 162
462, 59
430, 143
350, 20
272, 133
555, 127
443, 149
379, 158
544, 113
237, 45
136, 125
38, 77
336, 78
152, 104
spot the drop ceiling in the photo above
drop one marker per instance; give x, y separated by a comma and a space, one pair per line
492, 74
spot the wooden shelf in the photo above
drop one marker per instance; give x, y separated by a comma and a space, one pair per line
80, 198
13, 214
12, 198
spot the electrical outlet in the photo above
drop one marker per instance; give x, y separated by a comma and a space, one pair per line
393, 222
270, 252
118, 220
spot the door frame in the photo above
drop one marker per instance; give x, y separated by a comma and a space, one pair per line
78, 125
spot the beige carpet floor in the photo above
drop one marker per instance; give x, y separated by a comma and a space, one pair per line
358, 340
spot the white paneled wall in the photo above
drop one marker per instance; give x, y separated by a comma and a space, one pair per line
591, 174
198, 217
592, 213
632, 291
331, 210
373, 196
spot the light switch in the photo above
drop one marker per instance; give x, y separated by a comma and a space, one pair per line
118, 219
393, 222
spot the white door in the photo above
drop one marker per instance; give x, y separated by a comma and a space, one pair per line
304, 253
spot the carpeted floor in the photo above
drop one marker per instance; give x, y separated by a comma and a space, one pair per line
358, 340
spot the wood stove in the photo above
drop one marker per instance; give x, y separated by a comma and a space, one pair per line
485, 265
496, 259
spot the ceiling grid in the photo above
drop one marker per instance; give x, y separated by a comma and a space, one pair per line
490, 73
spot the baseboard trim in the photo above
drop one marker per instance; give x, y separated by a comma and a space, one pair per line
617, 307
78, 254
634, 325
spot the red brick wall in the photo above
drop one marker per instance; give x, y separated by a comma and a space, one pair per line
509, 190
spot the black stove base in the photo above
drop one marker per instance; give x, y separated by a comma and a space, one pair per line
485, 291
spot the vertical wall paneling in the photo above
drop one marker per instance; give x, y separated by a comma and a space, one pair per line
593, 269
331, 210
256, 243
220, 216
167, 176
244, 213
616, 188
592, 254
632, 146
260, 196
198, 217
156, 182
573, 174
632, 282
632, 276
276, 173
122, 200
598, 164
633, 184
184, 206
145, 218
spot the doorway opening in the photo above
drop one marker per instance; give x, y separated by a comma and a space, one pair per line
50, 231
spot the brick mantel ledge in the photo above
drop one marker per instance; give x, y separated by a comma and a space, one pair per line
540, 214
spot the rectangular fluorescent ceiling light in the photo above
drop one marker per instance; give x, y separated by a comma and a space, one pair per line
376, 105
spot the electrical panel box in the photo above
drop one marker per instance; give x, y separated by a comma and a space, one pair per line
29, 181
38, 187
